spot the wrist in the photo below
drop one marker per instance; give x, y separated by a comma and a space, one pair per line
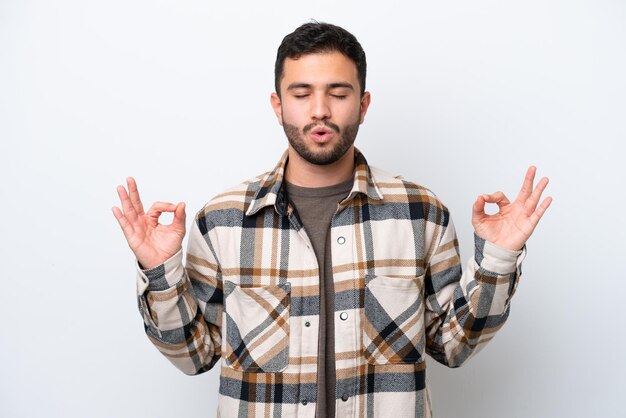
153, 261
162, 276
495, 258
503, 242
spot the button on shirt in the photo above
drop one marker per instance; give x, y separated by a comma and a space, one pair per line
251, 284
314, 207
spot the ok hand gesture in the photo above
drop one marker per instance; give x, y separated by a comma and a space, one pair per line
153, 243
514, 222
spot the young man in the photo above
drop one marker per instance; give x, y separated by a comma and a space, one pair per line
323, 283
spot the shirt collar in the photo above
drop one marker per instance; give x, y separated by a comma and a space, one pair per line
271, 191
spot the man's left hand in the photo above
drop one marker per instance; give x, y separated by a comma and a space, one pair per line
515, 221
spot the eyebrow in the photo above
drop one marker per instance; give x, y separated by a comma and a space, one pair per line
294, 86
341, 85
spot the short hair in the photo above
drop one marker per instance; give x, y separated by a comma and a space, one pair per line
316, 37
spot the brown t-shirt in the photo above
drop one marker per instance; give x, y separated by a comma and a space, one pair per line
316, 207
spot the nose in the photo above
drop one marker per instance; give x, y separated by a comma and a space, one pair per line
320, 108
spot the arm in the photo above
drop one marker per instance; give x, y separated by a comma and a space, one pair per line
182, 307
463, 311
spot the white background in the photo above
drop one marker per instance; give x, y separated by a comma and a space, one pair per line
465, 95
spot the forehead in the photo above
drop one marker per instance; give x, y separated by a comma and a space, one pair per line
320, 68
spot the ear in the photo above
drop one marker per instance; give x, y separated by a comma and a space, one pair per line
278, 110
365, 104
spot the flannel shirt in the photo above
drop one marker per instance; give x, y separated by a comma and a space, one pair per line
249, 294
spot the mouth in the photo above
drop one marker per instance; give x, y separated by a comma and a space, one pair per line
321, 134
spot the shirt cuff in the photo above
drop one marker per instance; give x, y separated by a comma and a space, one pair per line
496, 259
161, 277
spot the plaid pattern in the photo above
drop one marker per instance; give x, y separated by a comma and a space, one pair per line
393, 325
249, 294
257, 327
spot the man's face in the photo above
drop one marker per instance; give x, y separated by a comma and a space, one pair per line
321, 106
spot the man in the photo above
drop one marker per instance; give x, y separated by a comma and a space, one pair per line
323, 283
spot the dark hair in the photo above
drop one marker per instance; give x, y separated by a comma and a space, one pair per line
318, 37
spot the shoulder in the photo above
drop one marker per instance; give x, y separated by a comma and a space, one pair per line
397, 189
233, 201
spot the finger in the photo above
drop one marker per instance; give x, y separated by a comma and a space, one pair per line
162, 207
478, 209
537, 214
527, 185
533, 200
498, 198
127, 228
158, 208
127, 206
134, 195
180, 216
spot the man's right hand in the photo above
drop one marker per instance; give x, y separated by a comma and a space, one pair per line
152, 243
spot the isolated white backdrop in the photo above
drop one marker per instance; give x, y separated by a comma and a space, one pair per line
465, 95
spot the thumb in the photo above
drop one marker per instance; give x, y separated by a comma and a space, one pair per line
478, 209
180, 216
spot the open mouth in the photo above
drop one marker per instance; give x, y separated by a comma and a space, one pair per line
321, 134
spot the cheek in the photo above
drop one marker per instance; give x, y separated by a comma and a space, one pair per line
350, 113
292, 114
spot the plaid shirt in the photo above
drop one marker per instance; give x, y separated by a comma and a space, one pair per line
249, 294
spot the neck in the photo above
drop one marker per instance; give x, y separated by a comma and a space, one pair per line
303, 173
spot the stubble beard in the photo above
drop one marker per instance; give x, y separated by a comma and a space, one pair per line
322, 156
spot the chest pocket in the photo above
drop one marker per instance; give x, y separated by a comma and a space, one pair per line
393, 320
257, 327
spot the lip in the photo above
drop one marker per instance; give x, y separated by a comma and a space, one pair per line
321, 134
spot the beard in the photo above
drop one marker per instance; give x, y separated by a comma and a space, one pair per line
322, 155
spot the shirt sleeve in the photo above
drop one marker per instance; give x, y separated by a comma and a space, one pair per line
182, 306
465, 309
